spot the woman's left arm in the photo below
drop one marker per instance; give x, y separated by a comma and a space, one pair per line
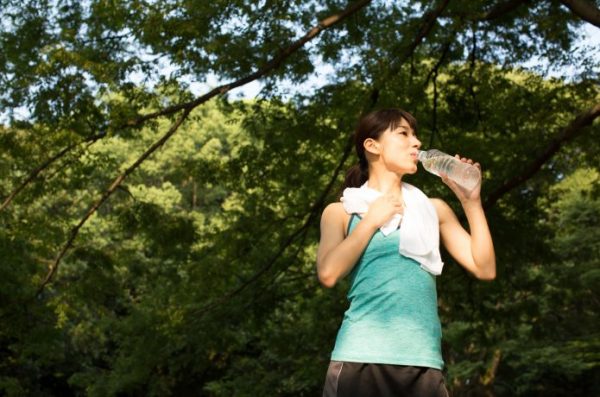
474, 250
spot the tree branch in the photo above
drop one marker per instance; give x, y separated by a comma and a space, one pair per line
435, 70
497, 11
313, 214
33, 174
501, 9
265, 69
428, 22
574, 129
472, 67
584, 10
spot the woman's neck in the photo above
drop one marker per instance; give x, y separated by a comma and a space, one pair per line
387, 183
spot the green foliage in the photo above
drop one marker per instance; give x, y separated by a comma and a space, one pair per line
196, 277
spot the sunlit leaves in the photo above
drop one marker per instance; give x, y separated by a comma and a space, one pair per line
197, 276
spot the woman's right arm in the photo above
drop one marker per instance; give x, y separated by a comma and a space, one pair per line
337, 252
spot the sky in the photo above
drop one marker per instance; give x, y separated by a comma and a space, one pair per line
325, 73
590, 35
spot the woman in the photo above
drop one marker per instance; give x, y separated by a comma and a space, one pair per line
385, 234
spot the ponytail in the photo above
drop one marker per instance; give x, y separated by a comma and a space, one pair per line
357, 175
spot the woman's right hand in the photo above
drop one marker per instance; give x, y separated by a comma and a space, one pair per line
383, 209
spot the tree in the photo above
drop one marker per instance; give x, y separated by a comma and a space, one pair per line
158, 242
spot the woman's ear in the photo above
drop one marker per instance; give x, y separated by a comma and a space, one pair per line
371, 146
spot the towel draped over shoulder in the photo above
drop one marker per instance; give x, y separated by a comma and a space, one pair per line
419, 225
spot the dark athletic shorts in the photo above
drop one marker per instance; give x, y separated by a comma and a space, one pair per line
347, 379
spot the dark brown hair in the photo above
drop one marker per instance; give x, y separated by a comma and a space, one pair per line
372, 126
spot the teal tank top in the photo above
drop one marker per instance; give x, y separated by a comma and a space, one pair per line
392, 317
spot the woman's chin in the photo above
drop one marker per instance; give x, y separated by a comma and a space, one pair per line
408, 171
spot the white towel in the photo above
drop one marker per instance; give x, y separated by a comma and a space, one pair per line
419, 226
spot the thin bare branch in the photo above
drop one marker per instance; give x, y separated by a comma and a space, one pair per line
436, 68
501, 9
498, 10
585, 10
33, 174
313, 214
434, 72
574, 129
264, 70
429, 20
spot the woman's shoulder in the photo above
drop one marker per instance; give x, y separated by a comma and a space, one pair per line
335, 214
442, 208
335, 210
436, 201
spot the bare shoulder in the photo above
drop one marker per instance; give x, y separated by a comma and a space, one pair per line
335, 216
333, 211
438, 203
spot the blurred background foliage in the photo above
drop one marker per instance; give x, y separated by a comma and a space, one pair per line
196, 275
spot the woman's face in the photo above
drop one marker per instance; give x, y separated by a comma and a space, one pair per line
399, 148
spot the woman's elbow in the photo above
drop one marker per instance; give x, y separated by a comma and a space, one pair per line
487, 274
326, 278
327, 281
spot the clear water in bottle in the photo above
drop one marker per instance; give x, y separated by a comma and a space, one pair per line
436, 162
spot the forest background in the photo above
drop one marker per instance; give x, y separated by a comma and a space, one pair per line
158, 235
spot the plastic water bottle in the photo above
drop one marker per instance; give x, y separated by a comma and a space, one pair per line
437, 162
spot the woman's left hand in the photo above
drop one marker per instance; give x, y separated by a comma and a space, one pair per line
463, 194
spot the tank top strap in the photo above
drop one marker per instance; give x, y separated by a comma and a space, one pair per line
354, 219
